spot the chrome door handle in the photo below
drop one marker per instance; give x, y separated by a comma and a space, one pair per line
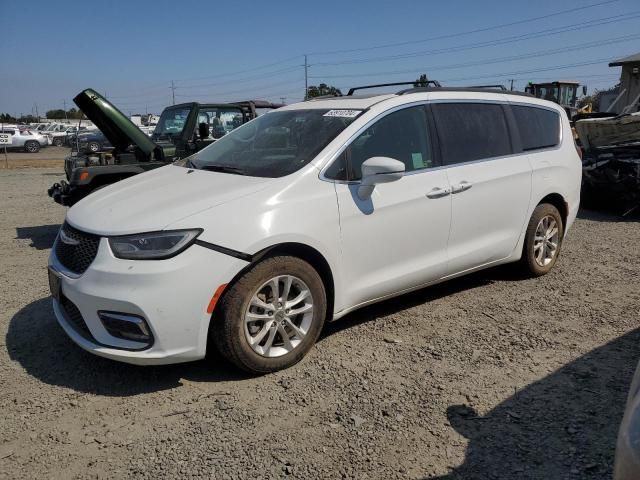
438, 192
461, 187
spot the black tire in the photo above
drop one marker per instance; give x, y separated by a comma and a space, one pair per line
32, 146
227, 330
58, 141
94, 147
530, 266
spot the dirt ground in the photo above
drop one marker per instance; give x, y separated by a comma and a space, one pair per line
488, 376
48, 157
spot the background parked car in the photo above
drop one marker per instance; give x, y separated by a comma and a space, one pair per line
25, 139
92, 141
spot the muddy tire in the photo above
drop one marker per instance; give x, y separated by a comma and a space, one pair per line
543, 240
32, 146
271, 316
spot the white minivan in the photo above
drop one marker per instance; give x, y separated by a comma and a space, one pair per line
307, 213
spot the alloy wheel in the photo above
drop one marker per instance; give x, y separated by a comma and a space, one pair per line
279, 316
545, 243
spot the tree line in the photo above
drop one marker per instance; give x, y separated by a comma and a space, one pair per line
56, 114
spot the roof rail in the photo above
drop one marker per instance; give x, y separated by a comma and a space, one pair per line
496, 87
433, 83
462, 89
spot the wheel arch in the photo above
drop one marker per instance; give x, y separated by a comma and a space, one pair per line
560, 203
300, 250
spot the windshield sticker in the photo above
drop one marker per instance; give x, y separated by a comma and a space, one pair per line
343, 113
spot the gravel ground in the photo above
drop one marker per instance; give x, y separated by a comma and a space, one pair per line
48, 157
487, 376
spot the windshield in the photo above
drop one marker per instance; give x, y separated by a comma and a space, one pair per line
275, 144
172, 121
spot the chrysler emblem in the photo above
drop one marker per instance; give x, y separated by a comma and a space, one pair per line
67, 239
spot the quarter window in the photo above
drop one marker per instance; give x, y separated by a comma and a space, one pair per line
471, 131
401, 135
539, 127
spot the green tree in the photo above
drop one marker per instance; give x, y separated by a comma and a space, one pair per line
322, 90
422, 81
55, 114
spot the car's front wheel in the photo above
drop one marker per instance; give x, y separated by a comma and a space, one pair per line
58, 141
32, 146
542, 241
271, 317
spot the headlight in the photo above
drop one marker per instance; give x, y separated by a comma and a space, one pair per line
152, 246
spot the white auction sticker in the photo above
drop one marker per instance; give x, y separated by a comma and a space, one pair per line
342, 113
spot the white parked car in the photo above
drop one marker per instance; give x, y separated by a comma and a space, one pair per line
24, 139
307, 213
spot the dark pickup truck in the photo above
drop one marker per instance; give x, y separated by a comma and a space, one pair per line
182, 130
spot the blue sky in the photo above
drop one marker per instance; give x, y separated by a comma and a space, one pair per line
225, 51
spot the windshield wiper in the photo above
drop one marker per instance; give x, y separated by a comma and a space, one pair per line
223, 169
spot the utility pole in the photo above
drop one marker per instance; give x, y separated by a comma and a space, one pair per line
37, 114
512, 84
64, 102
306, 83
173, 92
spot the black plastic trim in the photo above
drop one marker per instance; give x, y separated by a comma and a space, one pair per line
227, 251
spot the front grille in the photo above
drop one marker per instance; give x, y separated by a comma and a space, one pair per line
75, 318
79, 251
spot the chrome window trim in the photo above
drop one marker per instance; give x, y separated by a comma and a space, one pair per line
348, 142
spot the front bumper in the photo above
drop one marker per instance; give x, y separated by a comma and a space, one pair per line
172, 295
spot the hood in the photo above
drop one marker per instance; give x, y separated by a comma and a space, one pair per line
604, 132
119, 130
151, 201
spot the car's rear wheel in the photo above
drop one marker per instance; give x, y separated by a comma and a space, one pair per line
543, 240
271, 317
32, 146
58, 141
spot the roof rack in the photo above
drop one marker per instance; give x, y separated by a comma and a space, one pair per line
434, 83
463, 89
496, 87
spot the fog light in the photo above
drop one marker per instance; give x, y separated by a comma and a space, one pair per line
126, 326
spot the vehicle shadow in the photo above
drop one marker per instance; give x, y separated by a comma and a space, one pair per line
562, 426
40, 346
424, 295
42, 236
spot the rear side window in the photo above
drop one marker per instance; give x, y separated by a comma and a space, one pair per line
539, 127
471, 131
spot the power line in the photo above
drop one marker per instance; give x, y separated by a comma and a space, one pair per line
581, 46
468, 32
490, 43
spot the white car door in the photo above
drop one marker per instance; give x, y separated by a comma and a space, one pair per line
397, 239
490, 185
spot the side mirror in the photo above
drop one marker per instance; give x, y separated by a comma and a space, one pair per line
378, 170
584, 90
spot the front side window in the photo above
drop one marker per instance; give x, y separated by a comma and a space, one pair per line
401, 135
538, 127
471, 131
275, 144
